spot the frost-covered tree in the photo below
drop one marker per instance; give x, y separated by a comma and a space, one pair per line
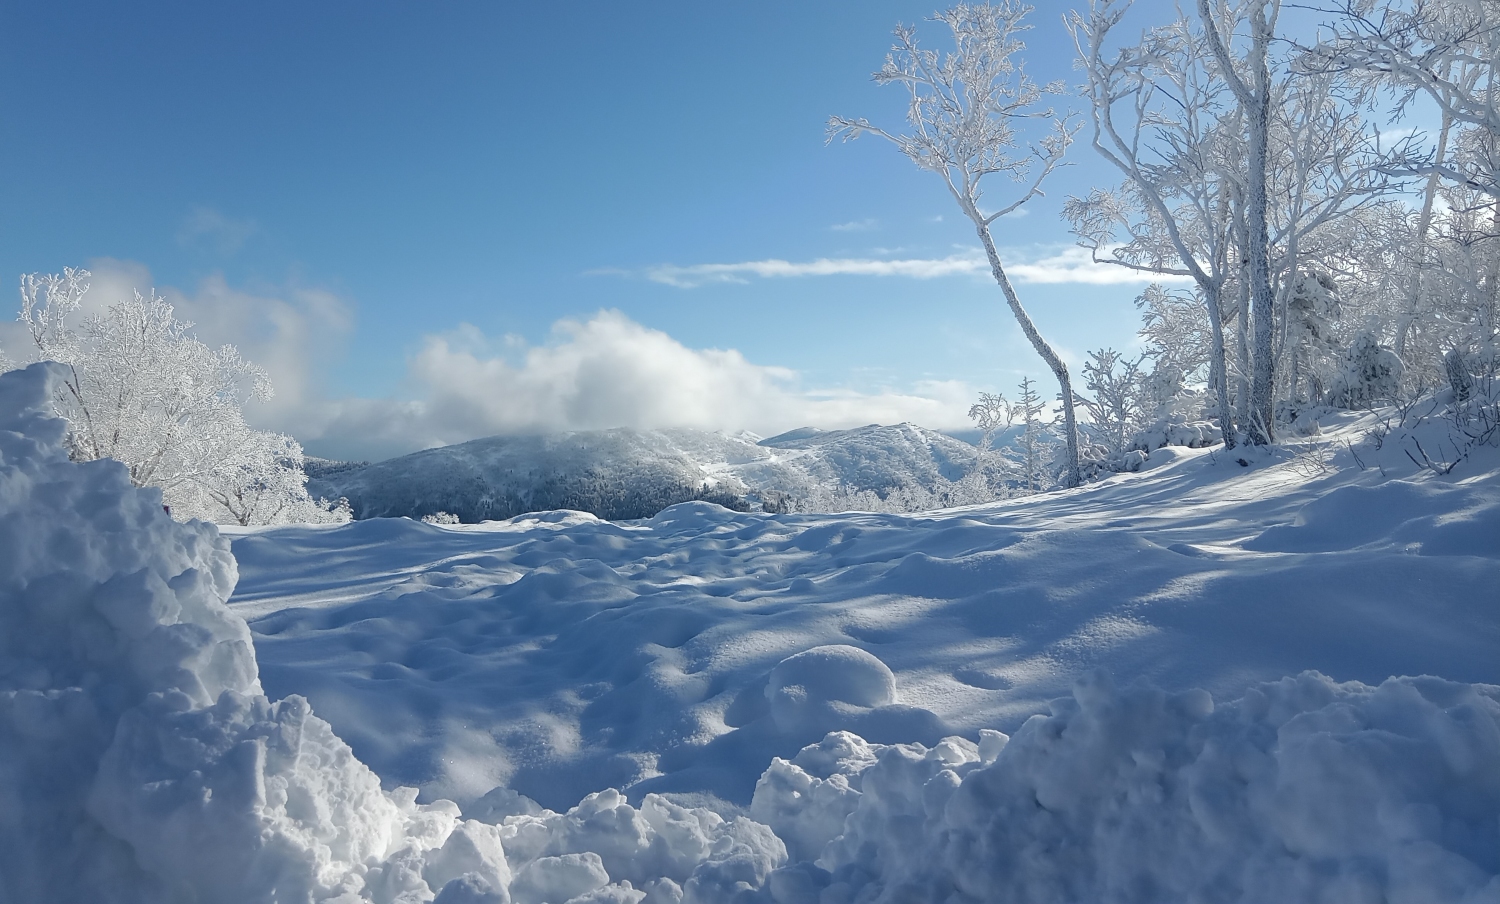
1034, 443
1443, 51
1161, 116
1175, 113
990, 414
966, 112
142, 390
1118, 406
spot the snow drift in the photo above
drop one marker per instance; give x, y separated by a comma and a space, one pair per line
140, 761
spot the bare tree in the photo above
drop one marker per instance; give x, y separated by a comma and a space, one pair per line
966, 112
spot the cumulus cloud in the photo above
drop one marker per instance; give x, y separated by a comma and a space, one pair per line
607, 371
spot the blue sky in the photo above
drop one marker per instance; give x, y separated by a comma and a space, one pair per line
393, 206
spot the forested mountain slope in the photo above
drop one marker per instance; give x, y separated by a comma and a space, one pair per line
624, 474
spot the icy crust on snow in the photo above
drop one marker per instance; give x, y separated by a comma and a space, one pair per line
1302, 790
140, 762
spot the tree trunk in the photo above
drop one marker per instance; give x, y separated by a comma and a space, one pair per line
1217, 365
1072, 477
1258, 428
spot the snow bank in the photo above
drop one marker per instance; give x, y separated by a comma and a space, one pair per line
1302, 790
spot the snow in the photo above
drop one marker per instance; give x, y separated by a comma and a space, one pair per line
713, 706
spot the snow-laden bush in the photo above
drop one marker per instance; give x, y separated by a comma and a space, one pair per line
1370, 375
1303, 790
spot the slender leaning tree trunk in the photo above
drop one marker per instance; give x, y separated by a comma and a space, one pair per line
1060, 370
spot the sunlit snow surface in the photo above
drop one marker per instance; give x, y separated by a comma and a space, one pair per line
560, 654
788, 682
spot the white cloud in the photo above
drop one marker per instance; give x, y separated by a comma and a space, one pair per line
601, 372
1072, 265
226, 234
701, 274
864, 225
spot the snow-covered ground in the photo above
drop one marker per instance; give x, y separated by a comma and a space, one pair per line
560, 654
796, 708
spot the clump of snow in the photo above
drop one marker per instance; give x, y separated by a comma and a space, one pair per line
139, 760
827, 682
1302, 790
608, 850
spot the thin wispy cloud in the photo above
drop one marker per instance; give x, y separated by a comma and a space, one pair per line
1072, 265
690, 277
206, 225
1076, 266
864, 225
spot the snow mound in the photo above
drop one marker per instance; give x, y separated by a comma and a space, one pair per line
837, 686
1302, 790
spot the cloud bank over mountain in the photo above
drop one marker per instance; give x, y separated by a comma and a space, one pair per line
593, 372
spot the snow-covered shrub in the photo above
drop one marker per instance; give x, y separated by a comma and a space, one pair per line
1370, 375
1180, 419
139, 388
1302, 790
440, 518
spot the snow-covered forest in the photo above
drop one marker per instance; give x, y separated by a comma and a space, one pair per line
1214, 618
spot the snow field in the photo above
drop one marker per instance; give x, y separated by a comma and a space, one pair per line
141, 761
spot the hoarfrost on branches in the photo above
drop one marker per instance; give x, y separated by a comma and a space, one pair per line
141, 389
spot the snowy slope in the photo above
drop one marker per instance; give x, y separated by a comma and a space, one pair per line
623, 474
561, 654
141, 761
